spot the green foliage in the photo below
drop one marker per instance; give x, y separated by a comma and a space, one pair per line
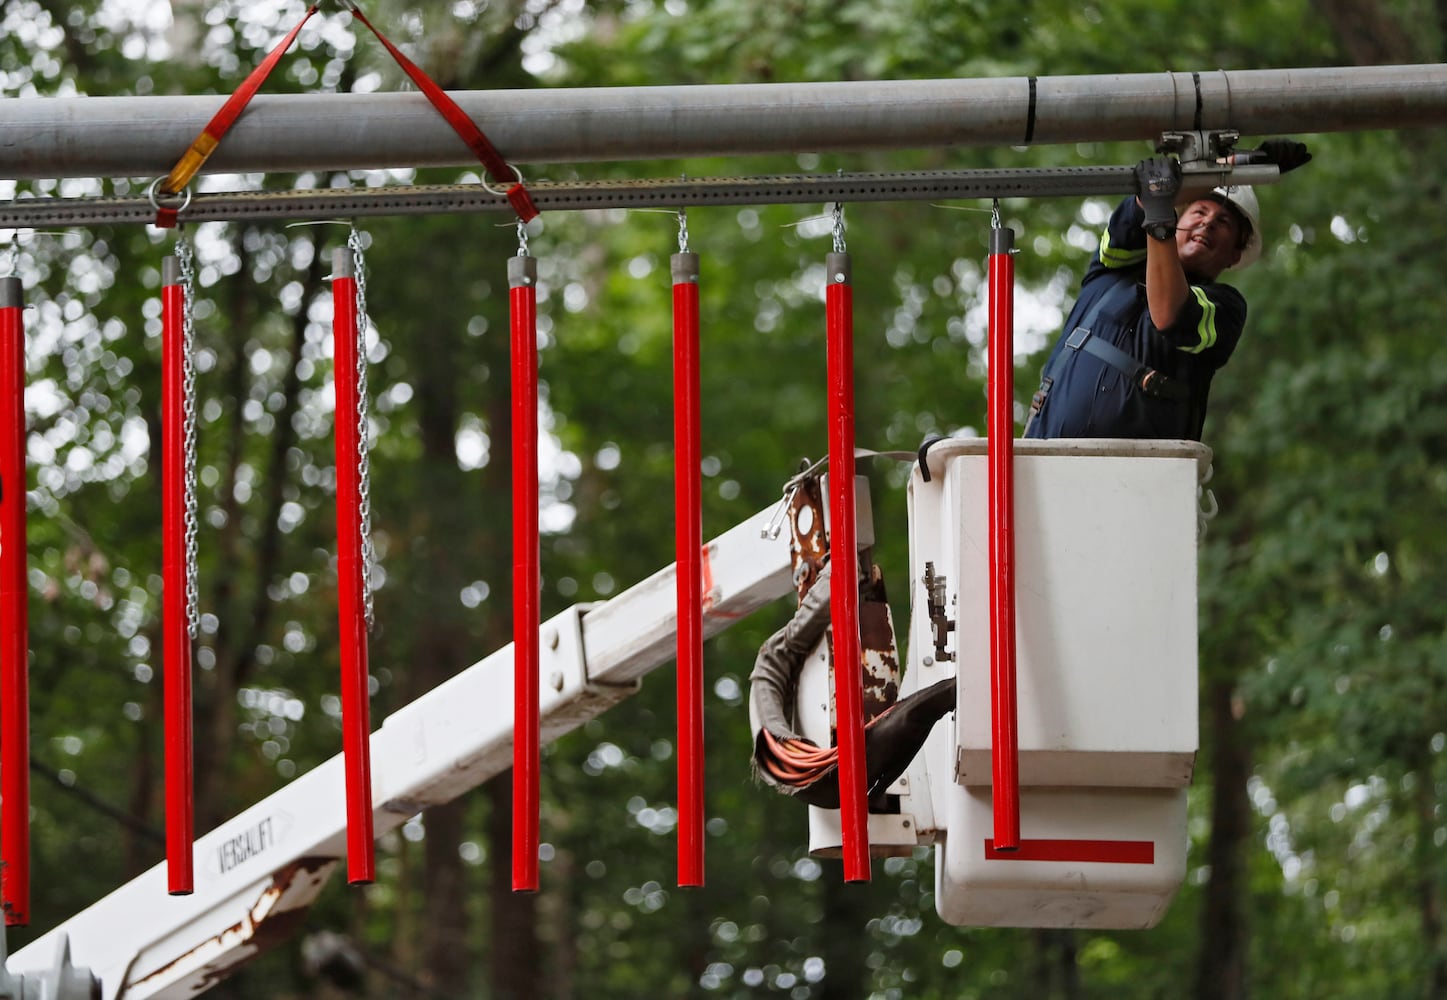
1321, 579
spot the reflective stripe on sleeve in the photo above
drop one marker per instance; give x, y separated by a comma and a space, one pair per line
1206, 328
1113, 257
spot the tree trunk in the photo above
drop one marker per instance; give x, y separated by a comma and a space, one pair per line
244, 606
1428, 874
443, 517
516, 960
1221, 974
1056, 974
846, 911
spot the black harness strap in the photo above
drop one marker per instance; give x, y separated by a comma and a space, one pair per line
1147, 380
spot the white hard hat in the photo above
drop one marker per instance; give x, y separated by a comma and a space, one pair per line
1243, 199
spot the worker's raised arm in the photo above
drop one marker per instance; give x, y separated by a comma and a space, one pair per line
1158, 179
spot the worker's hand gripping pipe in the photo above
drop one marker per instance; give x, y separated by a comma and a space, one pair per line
347, 334
176, 638
1005, 756
522, 280
688, 520
844, 557
14, 615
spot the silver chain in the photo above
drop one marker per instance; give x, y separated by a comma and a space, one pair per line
839, 227
522, 240
1206, 506
683, 230
364, 466
186, 258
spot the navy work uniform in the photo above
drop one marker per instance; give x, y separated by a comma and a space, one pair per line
1112, 374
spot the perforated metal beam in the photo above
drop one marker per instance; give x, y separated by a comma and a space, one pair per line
362, 202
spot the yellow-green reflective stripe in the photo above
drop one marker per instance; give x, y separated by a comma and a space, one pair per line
1206, 329
1111, 257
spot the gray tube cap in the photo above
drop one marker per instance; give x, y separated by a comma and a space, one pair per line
685, 268
522, 272
11, 294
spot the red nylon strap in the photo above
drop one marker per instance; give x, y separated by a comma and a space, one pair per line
210, 137
465, 127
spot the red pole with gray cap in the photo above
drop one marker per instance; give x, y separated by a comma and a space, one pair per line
522, 279
1005, 744
844, 595
688, 520
347, 348
176, 611
14, 615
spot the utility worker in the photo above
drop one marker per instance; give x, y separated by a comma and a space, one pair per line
1152, 324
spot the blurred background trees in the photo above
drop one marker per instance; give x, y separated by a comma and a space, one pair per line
1318, 826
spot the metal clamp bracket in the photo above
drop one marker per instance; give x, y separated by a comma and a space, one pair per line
1213, 146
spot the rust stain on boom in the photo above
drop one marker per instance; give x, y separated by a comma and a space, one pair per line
270, 921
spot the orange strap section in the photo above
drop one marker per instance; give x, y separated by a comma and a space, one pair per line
210, 137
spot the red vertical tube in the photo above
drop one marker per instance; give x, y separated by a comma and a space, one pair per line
351, 605
175, 615
688, 518
14, 616
1005, 756
522, 279
844, 555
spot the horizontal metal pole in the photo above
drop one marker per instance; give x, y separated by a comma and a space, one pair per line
144, 136
352, 203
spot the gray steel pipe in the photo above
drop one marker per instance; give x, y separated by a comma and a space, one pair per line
143, 136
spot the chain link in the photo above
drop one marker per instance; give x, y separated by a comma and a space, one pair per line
522, 240
364, 465
185, 256
1206, 506
683, 230
839, 227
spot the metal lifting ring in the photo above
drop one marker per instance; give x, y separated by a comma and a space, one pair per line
184, 194
492, 190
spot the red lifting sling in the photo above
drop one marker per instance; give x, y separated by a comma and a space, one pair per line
688, 520
14, 616
205, 144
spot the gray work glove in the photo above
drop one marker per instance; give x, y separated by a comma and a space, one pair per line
1287, 154
1158, 181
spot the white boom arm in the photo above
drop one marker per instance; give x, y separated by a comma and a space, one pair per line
257, 873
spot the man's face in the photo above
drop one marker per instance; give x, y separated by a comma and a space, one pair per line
1209, 237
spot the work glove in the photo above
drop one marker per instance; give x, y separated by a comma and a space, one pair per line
1287, 154
1158, 181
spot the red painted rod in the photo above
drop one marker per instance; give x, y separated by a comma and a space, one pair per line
688, 518
14, 616
351, 604
175, 614
844, 555
522, 279
1005, 758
